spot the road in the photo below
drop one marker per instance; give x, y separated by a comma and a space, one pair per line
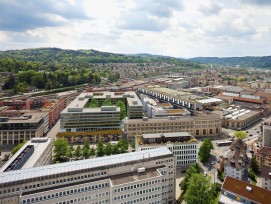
54, 130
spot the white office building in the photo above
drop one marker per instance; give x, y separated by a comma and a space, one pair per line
182, 144
137, 177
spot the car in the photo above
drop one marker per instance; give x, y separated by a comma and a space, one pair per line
183, 171
218, 160
209, 168
231, 139
250, 135
213, 162
258, 131
205, 173
246, 131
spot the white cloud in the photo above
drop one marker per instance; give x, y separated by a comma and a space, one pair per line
177, 28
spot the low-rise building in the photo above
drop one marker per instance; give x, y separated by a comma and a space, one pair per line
263, 156
236, 160
266, 177
182, 144
54, 108
34, 153
234, 118
137, 177
198, 126
19, 104
235, 191
14, 130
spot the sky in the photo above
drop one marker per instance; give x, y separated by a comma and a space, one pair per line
178, 28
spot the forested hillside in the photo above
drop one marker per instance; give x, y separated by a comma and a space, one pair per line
257, 62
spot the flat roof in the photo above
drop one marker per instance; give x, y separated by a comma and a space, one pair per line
134, 176
171, 134
36, 117
39, 149
238, 187
53, 169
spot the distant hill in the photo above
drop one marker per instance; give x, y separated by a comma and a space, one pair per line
82, 58
257, 62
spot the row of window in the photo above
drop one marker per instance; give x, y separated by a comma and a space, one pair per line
144, 199
185, 162
187, 157
184, 147
69, 192
136, 193
185, 152
76, 200
136, 186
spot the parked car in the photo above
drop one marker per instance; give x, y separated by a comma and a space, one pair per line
205, 173
212, 162
218, 160
183, 171
250, 135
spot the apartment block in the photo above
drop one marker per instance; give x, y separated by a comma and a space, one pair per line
182, 144
236, 161
199, 126
263, 156
267, 136
54, 108
137, 177
34, 153
266, 177
23, 104
14, 130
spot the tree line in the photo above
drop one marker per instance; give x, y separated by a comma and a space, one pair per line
64, 152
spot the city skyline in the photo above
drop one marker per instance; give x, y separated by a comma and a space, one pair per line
173, 28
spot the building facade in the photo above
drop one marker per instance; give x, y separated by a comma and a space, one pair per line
137, 177
266, 177
182, 144
15, 130
198, 126
236, 161
267, 136
263, 156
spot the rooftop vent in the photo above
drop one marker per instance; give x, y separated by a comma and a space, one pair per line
249, 189
141, 170
145, 118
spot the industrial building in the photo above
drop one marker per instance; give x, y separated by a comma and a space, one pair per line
198, 126
182, 144
137, 177
236, 118
14, 130
34, 153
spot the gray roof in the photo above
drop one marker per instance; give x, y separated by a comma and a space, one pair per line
171, 134
30, 173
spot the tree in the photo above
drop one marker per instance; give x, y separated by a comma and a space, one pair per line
70, 153
10, 82
38, 81
122, 106
193, 169
254, 165
115, 149
133, 144
200, 190
19, 146
240, 134
92, 152
61, 148
78, 151
107, 149
86, 145
205, 150
86, 152
107, 102
100, 149
21, 87
122, 143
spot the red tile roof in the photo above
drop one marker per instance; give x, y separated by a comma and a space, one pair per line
264, 152
238, 187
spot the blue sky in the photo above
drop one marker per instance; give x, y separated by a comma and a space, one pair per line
180, 28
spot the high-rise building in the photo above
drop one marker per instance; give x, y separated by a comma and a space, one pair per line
137, 177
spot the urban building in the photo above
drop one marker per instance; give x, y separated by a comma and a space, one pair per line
182, 144
23, 104
90, 124
263, 156
236, 161
34, 153
198, 126
266, 177
234, 118
14, 130
235, 191
54, 108
133, 104
137, 177
267, 136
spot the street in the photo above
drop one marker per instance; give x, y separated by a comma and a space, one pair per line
54, 130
